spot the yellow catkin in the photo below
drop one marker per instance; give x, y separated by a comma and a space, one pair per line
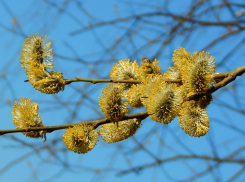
181, 58
148, 84
193, 119
125, 70
111, 103
125, 129
172, 73
197, 76
36, 57
81, 138
133, 96
35, 50
148, 67
25, 115
196, 70
164, 102
51, 84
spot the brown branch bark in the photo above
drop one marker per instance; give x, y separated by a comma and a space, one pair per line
95, 124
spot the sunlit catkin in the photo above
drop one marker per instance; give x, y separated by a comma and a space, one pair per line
25, 115
51, 84
133, 96
193, 120
148, 67
197, 75
181, 58
36, 59
36, 51
172, 74
46, 82
125, 129
125, 70
111, 103
81, 138
148, 84
164, 102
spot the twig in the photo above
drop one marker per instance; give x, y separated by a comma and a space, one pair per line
237, 72
94, 81
95, 124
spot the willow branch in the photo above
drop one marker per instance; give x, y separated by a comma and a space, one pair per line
95, 124
237, 72
94, 81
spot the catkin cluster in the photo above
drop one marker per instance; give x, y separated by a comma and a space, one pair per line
161, 93
164, 95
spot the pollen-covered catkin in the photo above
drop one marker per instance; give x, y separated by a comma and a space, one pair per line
133, 96
181, 58
111, 103
173, 74
35, 51
125, 129
81, 138
147, 67
36, 58
125, 70
25, 115
147, 85
164, 102
51, 84
193, 119
197, 76
196, 71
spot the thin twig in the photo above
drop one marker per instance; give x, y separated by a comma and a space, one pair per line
94, 81
95, 124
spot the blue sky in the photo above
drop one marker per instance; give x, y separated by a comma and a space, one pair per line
20, 19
